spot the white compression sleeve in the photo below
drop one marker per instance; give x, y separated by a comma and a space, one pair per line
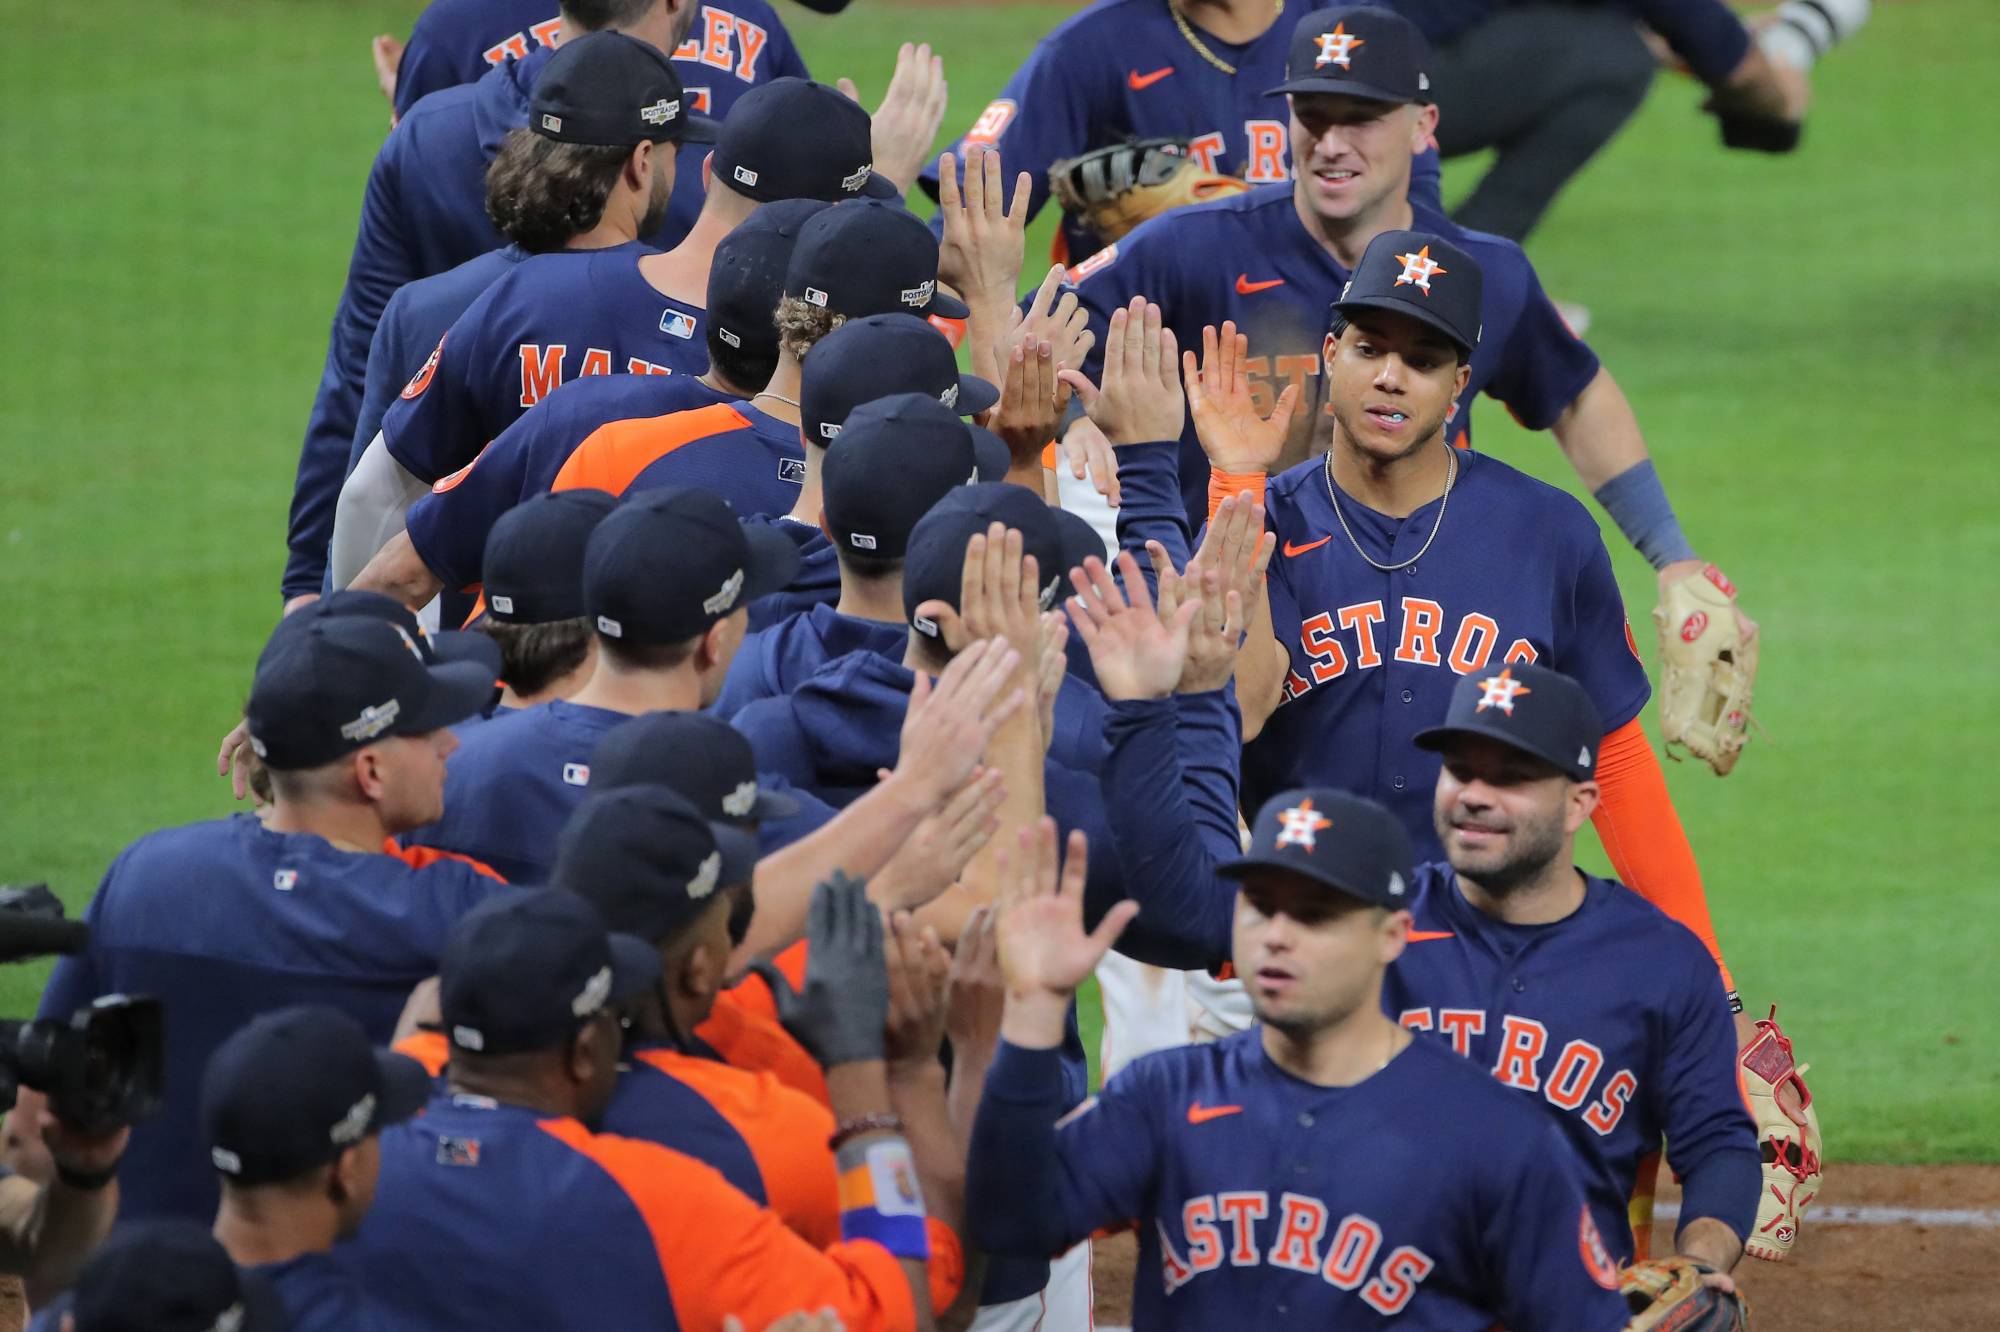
372, 503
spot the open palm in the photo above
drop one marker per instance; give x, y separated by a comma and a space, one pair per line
1232, 434
1044, 948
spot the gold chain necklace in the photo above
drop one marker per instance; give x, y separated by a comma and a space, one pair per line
1333, 495
1201, 47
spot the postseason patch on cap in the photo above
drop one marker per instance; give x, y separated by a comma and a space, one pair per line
660, 112
725, 596
920, 295
853, 183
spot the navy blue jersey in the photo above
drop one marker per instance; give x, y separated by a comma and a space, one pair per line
1614, 1020
777, 660
1422, 1197
416, 317
549, 319
512, 784
456, 41
735, 449
1249, 259
225, 920
450, 525
1518, 572
322, 1292
1707, 34
817, 583
424, 211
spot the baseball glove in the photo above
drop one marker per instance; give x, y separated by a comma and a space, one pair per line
1708, 667
1666, 1295
1114, 189
1790, 1145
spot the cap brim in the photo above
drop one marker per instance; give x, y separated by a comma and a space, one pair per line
975, 395
406, 1087
699, 129
1348, 87
774, 561
1241, 869
635, 967
468, 645
1433, 739
947, 306
773, 805
739, 853
1410, 308
459, 690
879, 186
989, 454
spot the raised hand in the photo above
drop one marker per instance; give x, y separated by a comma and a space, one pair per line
841, 1014
1056, 316
1088, 453
999, 597
948, 725
1228, 575
917, 966
1233, 436
977, 990
1044, 949
906, 124
1055, 665
1027, 414
985, 235
1139, 400
933, 856
1134, 651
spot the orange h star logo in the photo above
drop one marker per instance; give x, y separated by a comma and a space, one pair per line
1298, 825
1419, 269
1500, 691
1337, 47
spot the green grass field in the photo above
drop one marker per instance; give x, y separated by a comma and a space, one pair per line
1809, 342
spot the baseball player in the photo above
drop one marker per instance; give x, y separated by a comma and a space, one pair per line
532, 578
1270, 260
1404, 564
1323, 1166
532, 991
233, 917
608, 115
440, 547
1567, 986
163, 1274
292, 1107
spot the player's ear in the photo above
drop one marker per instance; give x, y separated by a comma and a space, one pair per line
1426, 126
1583, 801
707, 170
368, 772
1463, 377
1331, 345
639, 164
1393, 935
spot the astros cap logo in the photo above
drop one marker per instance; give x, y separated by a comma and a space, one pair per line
1419, 269
1500, 691
1337, 47
1298, 825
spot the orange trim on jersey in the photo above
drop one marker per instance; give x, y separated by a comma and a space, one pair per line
786, 1131
1642, 834
612, 456
423, 857
1639, 1208
745, 1039
429, 1048
754, 993
732, 1257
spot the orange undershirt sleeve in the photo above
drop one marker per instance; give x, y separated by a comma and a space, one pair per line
1221, 485
1642, 834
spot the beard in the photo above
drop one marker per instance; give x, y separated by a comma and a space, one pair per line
656, 202
1531, 847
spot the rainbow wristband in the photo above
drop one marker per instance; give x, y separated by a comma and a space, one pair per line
880, 1199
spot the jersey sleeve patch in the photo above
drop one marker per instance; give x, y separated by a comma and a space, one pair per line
422, 379
992, 122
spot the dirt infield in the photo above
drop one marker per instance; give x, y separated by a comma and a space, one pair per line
1898, 1277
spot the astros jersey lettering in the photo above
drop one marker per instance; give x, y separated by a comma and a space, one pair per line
1419, 1198
225, 920
1517, 572
450, 525
1249, 259
549, 319
742, 453
1613, 1020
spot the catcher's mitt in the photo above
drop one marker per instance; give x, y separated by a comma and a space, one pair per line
1114, 189
1666, 1295
1790, 1146
1708, 667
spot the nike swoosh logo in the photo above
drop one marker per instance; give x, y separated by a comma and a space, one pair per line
1293, 552
1245, 287
1201, 1114
1425, 936
1138, 82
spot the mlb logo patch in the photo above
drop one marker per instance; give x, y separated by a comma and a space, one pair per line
745, 175
285, 880
553, 124
814, 296
505, 605
862, 541
729, 339
792, 470
463, 1152
676, 324
576, 774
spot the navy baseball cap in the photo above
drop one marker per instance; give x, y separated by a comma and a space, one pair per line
1420, 275
894, 460
342, 683
1359, 50
792, 138
648, 861
1343, 842
1527, 707
934, 565
533, 567
703, 757
868, 256
445, 645
168, 1276
666, 564
525, 969
877, 356
607, 89
294, 1089
746, 277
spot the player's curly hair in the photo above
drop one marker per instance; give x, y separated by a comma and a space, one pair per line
540, 193
801, 325
534, 656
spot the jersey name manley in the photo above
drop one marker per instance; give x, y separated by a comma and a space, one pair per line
543, 372
1219, 1228
1523, 1062
1425, 634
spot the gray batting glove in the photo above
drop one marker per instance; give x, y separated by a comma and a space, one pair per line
840, 1014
